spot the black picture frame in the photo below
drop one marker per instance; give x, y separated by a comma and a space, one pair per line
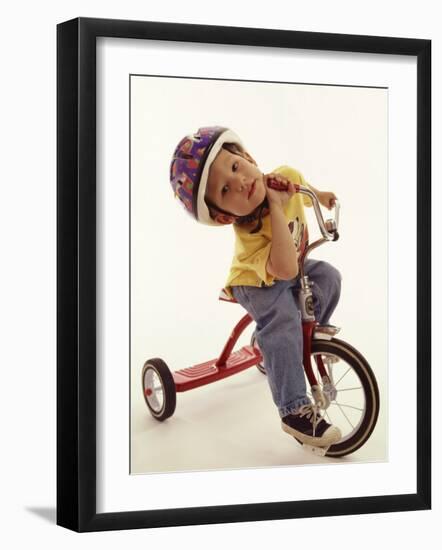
77, 287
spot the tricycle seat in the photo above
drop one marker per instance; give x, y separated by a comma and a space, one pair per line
226, 297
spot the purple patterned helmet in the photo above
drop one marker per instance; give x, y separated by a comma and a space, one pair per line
189, 170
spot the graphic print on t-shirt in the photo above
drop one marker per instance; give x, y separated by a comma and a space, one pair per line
299, 233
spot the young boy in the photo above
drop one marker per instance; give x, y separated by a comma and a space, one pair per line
219, 183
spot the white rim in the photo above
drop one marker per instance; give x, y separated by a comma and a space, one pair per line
152, 382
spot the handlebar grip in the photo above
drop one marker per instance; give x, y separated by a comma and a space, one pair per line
280, 185
276, 185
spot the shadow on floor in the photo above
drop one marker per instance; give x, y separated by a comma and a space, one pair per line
49, 514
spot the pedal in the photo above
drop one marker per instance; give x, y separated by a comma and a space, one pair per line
318, 451
325, 332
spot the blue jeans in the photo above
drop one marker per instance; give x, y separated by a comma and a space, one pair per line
279, 329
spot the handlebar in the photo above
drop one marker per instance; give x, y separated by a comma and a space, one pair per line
329, 228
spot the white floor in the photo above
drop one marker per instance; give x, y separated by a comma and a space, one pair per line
230, 424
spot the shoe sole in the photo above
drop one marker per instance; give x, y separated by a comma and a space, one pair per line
329, 437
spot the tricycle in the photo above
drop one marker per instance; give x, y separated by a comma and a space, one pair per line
342, 384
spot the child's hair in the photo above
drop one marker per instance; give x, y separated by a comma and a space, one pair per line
238, 149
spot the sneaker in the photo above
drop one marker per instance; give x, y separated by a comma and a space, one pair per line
308, 426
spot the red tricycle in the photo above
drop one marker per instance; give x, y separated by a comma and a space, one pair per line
342, 384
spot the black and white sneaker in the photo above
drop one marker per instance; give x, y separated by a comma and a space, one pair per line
308, 426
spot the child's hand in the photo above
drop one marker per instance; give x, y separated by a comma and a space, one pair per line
282, 189
327, 199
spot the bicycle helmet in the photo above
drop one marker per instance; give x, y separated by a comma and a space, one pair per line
189, 172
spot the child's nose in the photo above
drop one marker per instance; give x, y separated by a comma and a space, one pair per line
240, 183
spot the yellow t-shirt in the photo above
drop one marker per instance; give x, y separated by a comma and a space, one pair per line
252, 249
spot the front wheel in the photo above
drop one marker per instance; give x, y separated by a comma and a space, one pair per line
353, 396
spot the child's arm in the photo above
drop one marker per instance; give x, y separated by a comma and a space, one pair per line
283, 258
326, 198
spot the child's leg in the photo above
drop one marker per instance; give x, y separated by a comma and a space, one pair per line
326, 288
279, 336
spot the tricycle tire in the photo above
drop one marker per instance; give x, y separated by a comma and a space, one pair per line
160, 398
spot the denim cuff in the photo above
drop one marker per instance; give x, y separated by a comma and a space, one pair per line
294, 406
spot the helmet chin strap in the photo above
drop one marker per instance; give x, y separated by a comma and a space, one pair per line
257, 215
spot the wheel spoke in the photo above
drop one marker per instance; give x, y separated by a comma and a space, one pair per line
348, 406
348, 389
340, 408
345, 374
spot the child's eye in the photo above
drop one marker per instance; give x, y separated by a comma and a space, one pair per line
224, 190
235, 167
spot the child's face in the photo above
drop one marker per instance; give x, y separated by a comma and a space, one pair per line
235, 184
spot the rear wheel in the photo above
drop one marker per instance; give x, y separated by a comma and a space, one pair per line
158, 389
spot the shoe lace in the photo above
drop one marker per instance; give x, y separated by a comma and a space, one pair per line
311, 411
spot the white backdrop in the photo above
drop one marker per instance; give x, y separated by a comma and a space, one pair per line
337, 136
28, 276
